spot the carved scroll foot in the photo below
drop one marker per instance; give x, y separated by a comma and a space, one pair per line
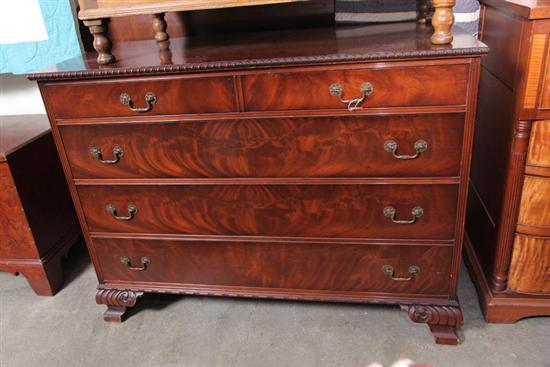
162, 38
442, 21
102, 43
117, 302
424, 11
442, 320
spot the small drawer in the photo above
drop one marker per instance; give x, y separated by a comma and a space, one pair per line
306, 266
535, 204
357, 88
352, 146
142, 97
539, 145
335, 211
530, 267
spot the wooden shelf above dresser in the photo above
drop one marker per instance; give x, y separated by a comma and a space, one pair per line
95, 14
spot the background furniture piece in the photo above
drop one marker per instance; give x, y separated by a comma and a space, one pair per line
38, 223
328, 165
508, 220
96, 14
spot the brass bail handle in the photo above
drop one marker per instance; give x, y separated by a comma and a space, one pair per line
145, 261
420, 146
132, 210
117, 153
390, 272
353, 104
150, 100
391, 212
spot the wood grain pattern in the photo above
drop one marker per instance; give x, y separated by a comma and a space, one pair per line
351, 146
539, 144
173, 96
275, 210
337, 267
545, 93
535, 202
535, 69
16, 240
418, 86
530, 268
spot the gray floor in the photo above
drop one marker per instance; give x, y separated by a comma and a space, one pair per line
67, 330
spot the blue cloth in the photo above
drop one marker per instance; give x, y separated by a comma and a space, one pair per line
62, 43
377, 11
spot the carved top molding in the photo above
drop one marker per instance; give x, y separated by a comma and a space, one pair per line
113, 72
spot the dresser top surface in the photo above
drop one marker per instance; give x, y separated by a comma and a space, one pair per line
532, 9
18, 130
398, 41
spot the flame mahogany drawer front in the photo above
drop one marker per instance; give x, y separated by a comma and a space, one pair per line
340, 211
147, 96
396, 86
285, 266
342, 146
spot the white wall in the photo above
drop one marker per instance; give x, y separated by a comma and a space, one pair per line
19, 96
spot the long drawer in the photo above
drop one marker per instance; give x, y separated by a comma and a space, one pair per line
396, 86
350, 146
339, 211
157, 95
530, 266
305, 266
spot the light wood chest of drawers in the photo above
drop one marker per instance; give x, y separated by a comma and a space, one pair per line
508, 220
324, 167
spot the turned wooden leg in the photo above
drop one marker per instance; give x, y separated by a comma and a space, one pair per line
117, 302
162, 38
442, 21
442, 320
102, 43
424, 11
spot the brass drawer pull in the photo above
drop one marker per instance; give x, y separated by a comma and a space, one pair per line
420, 146
416, 212
145, 261
413, 270
150, 99
353, 104
132, 210
117, 153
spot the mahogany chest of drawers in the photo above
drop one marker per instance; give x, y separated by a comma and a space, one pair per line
38, 223
328, 165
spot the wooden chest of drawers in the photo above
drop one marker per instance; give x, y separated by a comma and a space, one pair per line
330, 166
508, 220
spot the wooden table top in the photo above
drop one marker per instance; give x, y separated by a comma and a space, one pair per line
269, 49
18, 130
531, 9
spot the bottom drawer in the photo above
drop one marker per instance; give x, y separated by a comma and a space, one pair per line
530, 267
308, 266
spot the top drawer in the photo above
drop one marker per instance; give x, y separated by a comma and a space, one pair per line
173, 95
396, 86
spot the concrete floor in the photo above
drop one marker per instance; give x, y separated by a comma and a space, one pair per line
165, 330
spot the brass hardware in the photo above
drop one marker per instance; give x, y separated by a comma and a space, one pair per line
150, 99
145, 261
353, 104
117, 153
416, 212
132, 210
420, 146
413, 270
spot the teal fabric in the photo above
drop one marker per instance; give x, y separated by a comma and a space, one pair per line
62, 43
